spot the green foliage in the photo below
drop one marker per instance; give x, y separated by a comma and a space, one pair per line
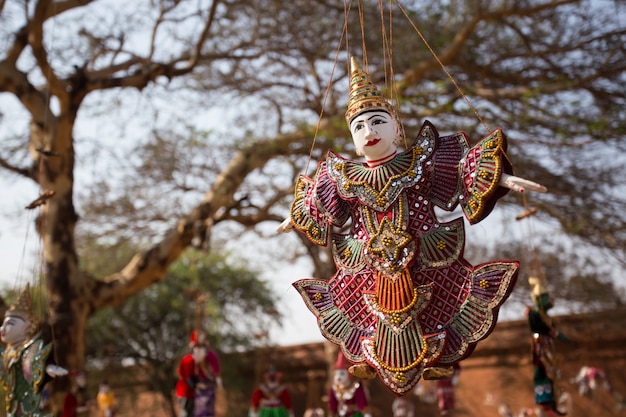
151, 330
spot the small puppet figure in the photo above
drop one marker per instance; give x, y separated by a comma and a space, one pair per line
347, 396
401, 407
105, 400
75, 402
426, 392
271, 398
25, 368
590, 379
404, 301
544, 332
199, 378
314, 412
445, 391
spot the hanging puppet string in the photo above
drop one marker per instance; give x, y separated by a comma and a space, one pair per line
533, 253
344, 35
330, 78
389, 52
20, 268
456, 85
38, 267
388, 60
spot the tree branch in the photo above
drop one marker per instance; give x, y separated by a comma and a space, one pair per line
24, 172
35, 40
452, 51
151, 266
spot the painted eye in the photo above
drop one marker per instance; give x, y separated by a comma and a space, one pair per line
358, 127
379, 122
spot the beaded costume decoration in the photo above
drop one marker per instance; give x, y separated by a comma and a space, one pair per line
404, 298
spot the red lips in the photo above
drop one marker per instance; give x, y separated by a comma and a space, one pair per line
372, 142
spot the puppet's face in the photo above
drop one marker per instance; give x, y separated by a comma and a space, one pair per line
80, 380
271, 380
375, 134
341, 377
14, 329
198, 353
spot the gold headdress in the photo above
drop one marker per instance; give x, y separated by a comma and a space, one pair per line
537, 288
364, 95
22, 307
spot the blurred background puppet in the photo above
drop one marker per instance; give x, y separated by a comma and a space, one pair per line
590, 379
347, 396
445, 392
402, 407
105, 400
271, 398
75, 402
544, 333
199, 378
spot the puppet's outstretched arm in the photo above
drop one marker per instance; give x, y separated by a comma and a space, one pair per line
520, 184
286, 226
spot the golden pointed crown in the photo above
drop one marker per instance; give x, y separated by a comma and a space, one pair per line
23, 304
537, 288
364, 95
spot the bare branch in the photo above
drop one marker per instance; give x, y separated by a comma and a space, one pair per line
151, 266
452, 50
35, 40
24, 172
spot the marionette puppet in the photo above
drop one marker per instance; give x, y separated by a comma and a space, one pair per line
25, 363
271, 398
314, 412
105, 399
75, 401
199, 379
544, 333
401, 407
404, 301
590, 379
347, 396
445, 392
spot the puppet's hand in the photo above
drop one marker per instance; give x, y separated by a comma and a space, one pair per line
520, 184
286, 226
55, 370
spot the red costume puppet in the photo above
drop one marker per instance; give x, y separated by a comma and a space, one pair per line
347, 397
445, 392
199, 377
271, 398
404, 301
